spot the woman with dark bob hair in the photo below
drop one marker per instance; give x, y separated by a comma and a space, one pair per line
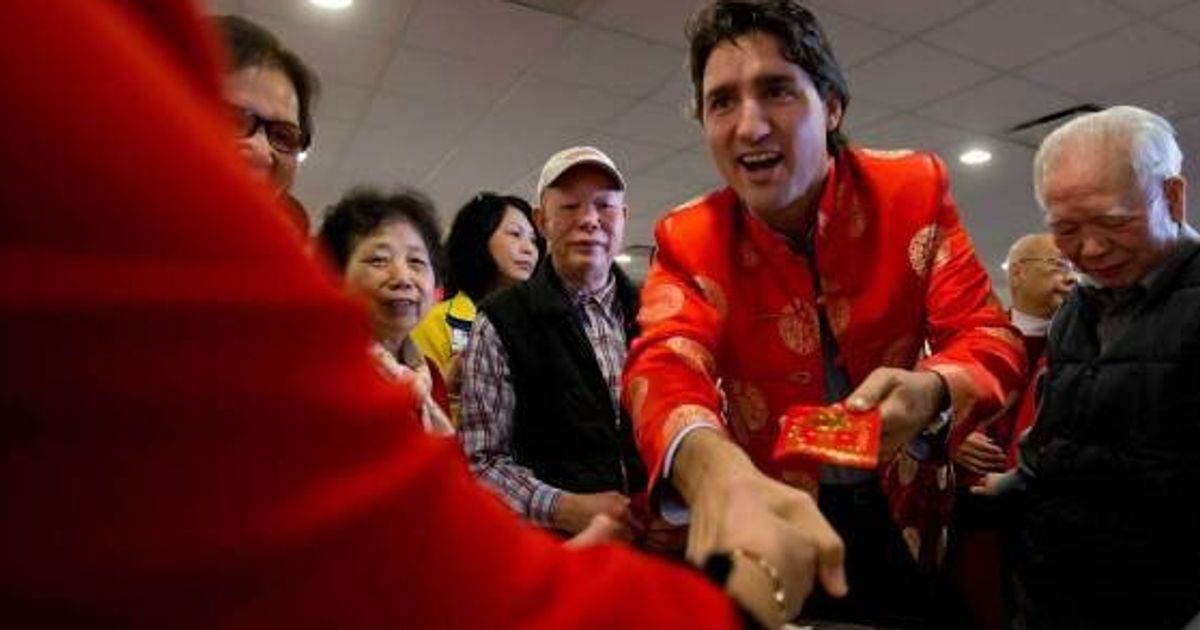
492, 245
385, 247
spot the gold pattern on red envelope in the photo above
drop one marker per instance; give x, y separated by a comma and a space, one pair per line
831, 435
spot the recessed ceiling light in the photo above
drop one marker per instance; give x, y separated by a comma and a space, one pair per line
623, 259
975, 157
332, 4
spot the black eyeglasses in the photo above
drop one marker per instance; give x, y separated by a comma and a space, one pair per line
1059, 264
282, 135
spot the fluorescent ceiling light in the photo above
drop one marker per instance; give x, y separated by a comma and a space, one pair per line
975, 157
332, 4
623, 259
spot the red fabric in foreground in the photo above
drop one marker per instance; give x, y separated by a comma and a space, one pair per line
192, 432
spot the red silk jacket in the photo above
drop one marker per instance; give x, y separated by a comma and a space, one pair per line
726, 301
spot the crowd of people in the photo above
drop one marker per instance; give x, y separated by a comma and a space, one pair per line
214, 421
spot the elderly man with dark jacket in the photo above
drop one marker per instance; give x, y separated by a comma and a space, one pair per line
1111, 468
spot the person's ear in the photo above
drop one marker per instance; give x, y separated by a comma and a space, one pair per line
539, 220
1175, 191
1016, 274
833, 112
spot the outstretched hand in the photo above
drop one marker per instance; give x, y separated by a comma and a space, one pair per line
907, 401
735, 506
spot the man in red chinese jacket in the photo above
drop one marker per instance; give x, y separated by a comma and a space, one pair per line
816, 276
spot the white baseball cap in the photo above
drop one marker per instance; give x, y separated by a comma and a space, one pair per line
568, 159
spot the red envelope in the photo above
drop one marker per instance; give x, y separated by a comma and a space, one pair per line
830, 435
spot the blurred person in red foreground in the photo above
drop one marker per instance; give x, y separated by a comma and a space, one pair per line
192, 434
270, 91
815, 276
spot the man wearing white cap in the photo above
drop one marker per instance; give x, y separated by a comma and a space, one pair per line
542, 421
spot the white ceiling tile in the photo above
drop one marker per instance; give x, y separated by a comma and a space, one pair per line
372, 155
1149, 7
630, 156
660, 21
610, 61
912, 132
315, 171
443, 77
862, 114
676, 92
694, 168
657, 196
419, 115
1185, 19
852, 40
382, 177
330, 140
315, 199
1187, 133
914, 74
407, 134
379, 17
536, 102
495, 32
659, 124
1004, 181
344, 102
334, 54
997, 105
987, 34
1132, 55
526, 186
905, 16
1166, 95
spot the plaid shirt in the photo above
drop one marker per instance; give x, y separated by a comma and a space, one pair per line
489, 402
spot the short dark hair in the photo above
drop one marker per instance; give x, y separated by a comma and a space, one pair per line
362, 211
801, 41
470, 267
251, 45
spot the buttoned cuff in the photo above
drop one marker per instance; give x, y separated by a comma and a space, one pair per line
542, 505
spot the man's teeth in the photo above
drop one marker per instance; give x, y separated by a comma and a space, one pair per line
759, 159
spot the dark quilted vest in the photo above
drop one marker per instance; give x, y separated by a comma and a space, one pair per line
564, 428
1111, 536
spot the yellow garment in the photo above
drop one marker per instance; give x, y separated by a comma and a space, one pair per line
434, 336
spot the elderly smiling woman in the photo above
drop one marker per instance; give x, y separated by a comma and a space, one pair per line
385, 247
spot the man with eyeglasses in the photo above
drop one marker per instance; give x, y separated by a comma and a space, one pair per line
270, 91
1039, 279
1111, 468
